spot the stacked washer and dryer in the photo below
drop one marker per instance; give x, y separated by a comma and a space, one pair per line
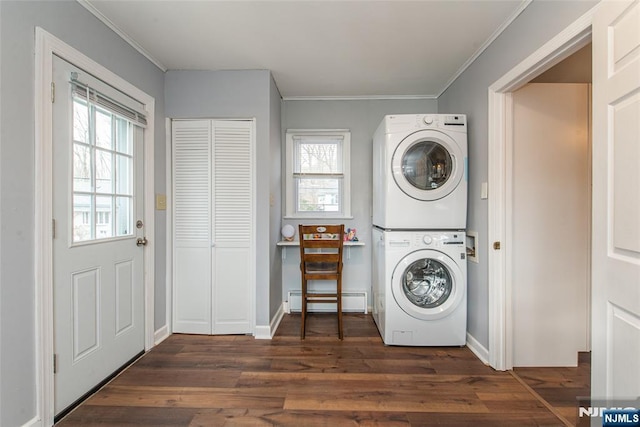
419, 220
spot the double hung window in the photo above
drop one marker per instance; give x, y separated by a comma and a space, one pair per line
318, 180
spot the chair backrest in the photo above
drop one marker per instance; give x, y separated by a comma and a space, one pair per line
326, 243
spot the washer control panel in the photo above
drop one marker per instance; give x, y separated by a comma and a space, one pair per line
439, 240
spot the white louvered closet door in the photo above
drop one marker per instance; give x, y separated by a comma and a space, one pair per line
192, 226
233, 228
213, 226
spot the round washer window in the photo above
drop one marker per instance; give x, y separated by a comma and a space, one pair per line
427, 283
427, 165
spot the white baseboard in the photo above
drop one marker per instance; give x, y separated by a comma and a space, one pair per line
478, 349
34, 422
353, 301
267, 332
161, 335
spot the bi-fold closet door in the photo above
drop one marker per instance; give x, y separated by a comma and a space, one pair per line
213, 226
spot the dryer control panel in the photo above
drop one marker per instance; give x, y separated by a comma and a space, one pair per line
414, 122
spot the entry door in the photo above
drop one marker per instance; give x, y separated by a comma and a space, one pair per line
97, 265
615, 370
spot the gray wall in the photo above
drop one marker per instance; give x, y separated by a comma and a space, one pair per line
362, 118
539, 22
70, 22
275, 195
236, 94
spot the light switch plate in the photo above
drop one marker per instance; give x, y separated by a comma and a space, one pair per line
484, 191
161, 202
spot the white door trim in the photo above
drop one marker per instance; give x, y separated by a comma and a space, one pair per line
571, 39
48, 45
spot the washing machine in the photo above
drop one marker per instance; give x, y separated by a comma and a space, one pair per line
420, 287
420, 172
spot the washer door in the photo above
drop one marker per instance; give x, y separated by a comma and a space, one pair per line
427, 165
427, 284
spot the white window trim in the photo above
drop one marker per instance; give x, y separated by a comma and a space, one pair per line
290, 196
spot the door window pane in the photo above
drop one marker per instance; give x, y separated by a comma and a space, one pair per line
123, 136
82, 218
104, 172
104, 213
124, 220
104, 130
81, 167
80, 121
124, 171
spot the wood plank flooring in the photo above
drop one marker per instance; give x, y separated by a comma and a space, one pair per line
561, 387
193, 380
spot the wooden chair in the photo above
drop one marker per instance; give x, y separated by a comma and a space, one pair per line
321, 259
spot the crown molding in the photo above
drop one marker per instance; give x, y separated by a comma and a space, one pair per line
95, 12
357, 98
486, 44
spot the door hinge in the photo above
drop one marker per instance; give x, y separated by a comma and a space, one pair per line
55, 363
53, 228
53, 92
496, 246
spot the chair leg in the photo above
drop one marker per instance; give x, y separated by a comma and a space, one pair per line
303, 319
339, 291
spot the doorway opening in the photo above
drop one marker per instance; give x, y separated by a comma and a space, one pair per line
574, 38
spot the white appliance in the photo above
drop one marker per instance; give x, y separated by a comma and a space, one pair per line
420, 287
420, 172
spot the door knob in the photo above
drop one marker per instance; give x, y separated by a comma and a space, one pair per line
142, 241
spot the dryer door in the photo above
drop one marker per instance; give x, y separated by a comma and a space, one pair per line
427, 284
427, 165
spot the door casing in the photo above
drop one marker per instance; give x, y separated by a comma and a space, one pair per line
570, 40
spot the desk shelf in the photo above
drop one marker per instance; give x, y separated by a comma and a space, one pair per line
284, 244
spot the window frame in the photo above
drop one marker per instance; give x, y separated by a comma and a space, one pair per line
291, 195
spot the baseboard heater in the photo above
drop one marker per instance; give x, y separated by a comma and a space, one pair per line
355, 301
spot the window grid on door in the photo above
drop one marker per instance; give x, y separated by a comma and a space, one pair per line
102, 177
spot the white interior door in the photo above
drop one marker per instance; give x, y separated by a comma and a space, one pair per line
233, 230
97, 265
213, 226
192, 241
615, 366
550, 224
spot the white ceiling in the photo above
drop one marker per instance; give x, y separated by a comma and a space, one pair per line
317, 49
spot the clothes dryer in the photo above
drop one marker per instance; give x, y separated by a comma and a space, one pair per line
420, 287
420, 172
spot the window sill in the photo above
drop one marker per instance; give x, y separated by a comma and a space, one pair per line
322, 217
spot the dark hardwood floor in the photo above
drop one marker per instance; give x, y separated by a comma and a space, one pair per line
561, 387
194, 380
